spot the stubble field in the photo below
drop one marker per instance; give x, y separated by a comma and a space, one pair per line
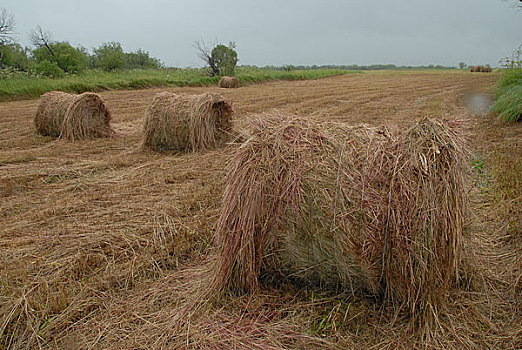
102, 244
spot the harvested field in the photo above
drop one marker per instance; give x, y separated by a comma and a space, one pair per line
106, 247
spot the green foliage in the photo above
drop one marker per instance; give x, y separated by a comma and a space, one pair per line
49, 69
225, 58
66, 57
462, 65
508, 105
140, 60
26, 86
510, 78
15, 56
109, 57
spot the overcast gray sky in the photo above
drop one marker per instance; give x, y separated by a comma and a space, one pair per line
276, 32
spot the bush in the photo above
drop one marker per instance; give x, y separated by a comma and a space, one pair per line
15, 56
66, 57
49, 69
141, 59
225, 58
109, 57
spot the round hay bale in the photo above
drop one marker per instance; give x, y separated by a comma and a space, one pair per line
487, 69
351, 206
187, 122
475, 69
71, 116
228, 82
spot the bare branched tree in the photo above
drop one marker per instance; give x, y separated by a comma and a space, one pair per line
7, 24
205, 54
41, 38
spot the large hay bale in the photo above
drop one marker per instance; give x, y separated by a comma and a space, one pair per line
486, 69
228, 82
187, 122
474, 69
71, 116
355, 206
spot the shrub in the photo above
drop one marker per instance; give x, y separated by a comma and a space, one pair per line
66, 57
109, 57
225, 58
49, 69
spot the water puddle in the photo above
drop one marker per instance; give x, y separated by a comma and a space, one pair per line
478, 103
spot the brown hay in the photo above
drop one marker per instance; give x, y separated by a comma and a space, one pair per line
349, 205
187, 122
74, 117
228, 82
478, 69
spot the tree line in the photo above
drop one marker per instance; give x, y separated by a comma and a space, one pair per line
56, 58
289, 67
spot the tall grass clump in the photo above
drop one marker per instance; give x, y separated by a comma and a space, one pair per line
508, 104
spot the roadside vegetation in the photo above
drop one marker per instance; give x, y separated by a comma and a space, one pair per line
508, 103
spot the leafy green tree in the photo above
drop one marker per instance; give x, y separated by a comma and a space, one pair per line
66, 57
462, 65
141, 59
221, 60
109, 57
16, 56
7, 24
225, 58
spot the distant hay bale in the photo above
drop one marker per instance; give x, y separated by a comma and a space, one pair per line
355, 206
228, 82
483, 69
187, 122
73, 117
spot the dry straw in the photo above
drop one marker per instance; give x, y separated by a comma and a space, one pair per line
74, 117
228, 82
478, 69
355, 206
187, 122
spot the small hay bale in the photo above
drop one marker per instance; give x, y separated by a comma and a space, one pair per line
228, 82
353, 206
187, 122
486, 69
74, 117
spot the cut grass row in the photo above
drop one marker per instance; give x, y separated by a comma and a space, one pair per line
25, 87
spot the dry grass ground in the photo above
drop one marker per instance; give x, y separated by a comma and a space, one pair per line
102, 244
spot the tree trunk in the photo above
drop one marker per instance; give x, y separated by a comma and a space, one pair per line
2, 57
